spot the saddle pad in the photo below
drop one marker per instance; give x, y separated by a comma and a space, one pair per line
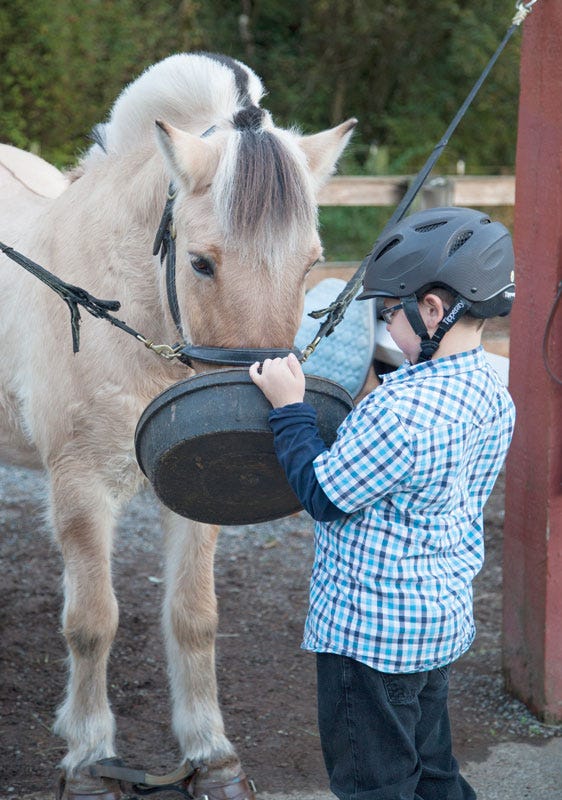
347, 354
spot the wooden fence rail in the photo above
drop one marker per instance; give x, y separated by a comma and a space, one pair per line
457, 190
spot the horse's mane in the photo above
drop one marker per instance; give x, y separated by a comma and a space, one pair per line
189, 90
262, 192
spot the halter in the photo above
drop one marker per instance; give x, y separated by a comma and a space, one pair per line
165, 245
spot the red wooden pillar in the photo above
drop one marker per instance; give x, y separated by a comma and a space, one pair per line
532, 595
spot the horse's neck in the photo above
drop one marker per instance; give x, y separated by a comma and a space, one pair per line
135, 190
102, 231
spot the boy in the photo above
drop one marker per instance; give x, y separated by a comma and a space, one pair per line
398, 500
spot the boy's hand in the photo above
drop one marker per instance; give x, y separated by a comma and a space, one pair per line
282, 380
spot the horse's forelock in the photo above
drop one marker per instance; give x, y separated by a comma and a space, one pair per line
263, 195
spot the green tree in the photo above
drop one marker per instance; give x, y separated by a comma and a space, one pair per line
402, 68
64, 63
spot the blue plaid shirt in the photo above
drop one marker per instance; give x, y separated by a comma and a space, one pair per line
413, 466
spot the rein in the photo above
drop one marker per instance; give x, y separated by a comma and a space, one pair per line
73, 296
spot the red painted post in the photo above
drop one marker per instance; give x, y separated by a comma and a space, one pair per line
532, 590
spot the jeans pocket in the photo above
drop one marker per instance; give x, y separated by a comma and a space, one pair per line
403, 689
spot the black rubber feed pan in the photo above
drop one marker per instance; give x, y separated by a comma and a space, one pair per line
206, 447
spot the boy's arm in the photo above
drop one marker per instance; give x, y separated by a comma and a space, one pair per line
296, 437
297, 443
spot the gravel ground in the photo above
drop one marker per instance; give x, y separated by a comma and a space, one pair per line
266, 681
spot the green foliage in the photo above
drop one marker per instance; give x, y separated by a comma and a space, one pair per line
402, 68
65, 62
348, 233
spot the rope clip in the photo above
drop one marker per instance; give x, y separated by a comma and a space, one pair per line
164, 350
522, 11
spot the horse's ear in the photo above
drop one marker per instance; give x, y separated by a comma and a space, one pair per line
191, 159
323, 149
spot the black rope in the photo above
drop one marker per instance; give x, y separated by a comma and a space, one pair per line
73, 296
336, 310
546, 336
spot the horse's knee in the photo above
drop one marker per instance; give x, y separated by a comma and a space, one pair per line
195, 630
90, 628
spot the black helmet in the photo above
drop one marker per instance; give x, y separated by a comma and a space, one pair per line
458, 248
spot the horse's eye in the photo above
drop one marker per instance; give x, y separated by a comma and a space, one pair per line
203, 265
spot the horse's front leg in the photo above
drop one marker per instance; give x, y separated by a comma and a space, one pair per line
83, 524
190, 624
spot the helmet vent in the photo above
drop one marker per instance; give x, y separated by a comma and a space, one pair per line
431, 227
461, 239
387, 247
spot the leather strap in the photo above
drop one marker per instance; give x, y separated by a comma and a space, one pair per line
230, 356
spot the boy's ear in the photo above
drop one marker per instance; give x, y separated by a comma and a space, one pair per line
433, 310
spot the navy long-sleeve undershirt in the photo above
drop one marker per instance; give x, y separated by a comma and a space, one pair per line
297, 442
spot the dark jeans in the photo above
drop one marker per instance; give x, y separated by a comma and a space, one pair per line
386, 737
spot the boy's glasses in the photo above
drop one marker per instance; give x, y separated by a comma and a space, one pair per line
386, 313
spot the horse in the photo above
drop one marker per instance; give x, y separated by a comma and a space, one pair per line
246, 233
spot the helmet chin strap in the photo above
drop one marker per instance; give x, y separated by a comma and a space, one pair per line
429, 344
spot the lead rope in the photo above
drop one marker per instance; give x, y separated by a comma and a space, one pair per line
75, 296
546, 336
336, 310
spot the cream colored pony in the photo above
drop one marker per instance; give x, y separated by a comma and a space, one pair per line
245, 216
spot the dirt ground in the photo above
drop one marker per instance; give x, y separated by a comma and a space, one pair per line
267, 684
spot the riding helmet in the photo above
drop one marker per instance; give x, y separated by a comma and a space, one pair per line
460, 249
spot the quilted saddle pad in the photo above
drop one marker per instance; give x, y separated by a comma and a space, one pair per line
347, 354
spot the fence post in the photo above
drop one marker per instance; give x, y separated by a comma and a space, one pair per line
532, 575
437, 192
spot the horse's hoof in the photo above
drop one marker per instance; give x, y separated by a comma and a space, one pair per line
238, 787
85, 788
